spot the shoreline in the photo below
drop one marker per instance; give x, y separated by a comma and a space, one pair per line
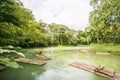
99, 53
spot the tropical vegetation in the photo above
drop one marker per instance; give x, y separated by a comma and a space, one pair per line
19, 28
105, 21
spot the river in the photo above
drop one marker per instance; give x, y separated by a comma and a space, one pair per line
58, 68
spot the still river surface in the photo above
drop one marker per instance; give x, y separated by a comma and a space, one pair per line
58, 68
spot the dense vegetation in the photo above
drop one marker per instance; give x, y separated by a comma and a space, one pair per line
105, 25
105, 21
106, 48
7, 55
19, 28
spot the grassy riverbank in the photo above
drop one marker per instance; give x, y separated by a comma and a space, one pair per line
109, 48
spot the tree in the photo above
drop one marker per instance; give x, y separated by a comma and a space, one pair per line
61, 35
105, 18
18, 27
84, 37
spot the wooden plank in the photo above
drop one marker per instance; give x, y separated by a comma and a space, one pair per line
24, 60
106, 72
41, 56
83, 66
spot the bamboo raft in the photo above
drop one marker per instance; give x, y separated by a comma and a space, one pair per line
99, 70
41, 56
2, 67
24, 60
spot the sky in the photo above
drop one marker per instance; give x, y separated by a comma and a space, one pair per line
72, 13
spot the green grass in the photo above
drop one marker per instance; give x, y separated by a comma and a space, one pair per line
109, 48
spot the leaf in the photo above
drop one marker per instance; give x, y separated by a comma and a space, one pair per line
8, 47
9, 62
11, 52
21, 54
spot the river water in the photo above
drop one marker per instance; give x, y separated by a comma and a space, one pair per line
58, 68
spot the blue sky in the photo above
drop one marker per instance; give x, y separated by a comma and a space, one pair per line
72, 13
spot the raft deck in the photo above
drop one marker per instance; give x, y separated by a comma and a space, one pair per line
2, 67
24, 60
41, 56
105, 72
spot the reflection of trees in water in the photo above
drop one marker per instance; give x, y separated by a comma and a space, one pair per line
58, 68
29, 72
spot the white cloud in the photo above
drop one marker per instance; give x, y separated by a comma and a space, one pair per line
73, 13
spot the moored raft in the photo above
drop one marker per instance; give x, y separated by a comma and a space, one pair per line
41, 56
2, 67
24, 60
99, 70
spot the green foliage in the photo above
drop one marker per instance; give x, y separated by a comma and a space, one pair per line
105, 20
10, 47
10, 63
61, 35
13, 12
7, 54
110, 48
83, 37
11, 53
18, 27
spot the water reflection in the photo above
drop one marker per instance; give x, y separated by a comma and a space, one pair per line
27, 73
58, 68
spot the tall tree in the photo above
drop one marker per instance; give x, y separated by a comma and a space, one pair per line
18, 27
105, 18
61, 35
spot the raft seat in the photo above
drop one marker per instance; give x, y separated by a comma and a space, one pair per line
107, 71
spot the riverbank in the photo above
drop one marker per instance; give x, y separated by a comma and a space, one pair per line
95, 53
101, 49
111, 49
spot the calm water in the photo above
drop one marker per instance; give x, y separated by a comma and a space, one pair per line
58, 68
